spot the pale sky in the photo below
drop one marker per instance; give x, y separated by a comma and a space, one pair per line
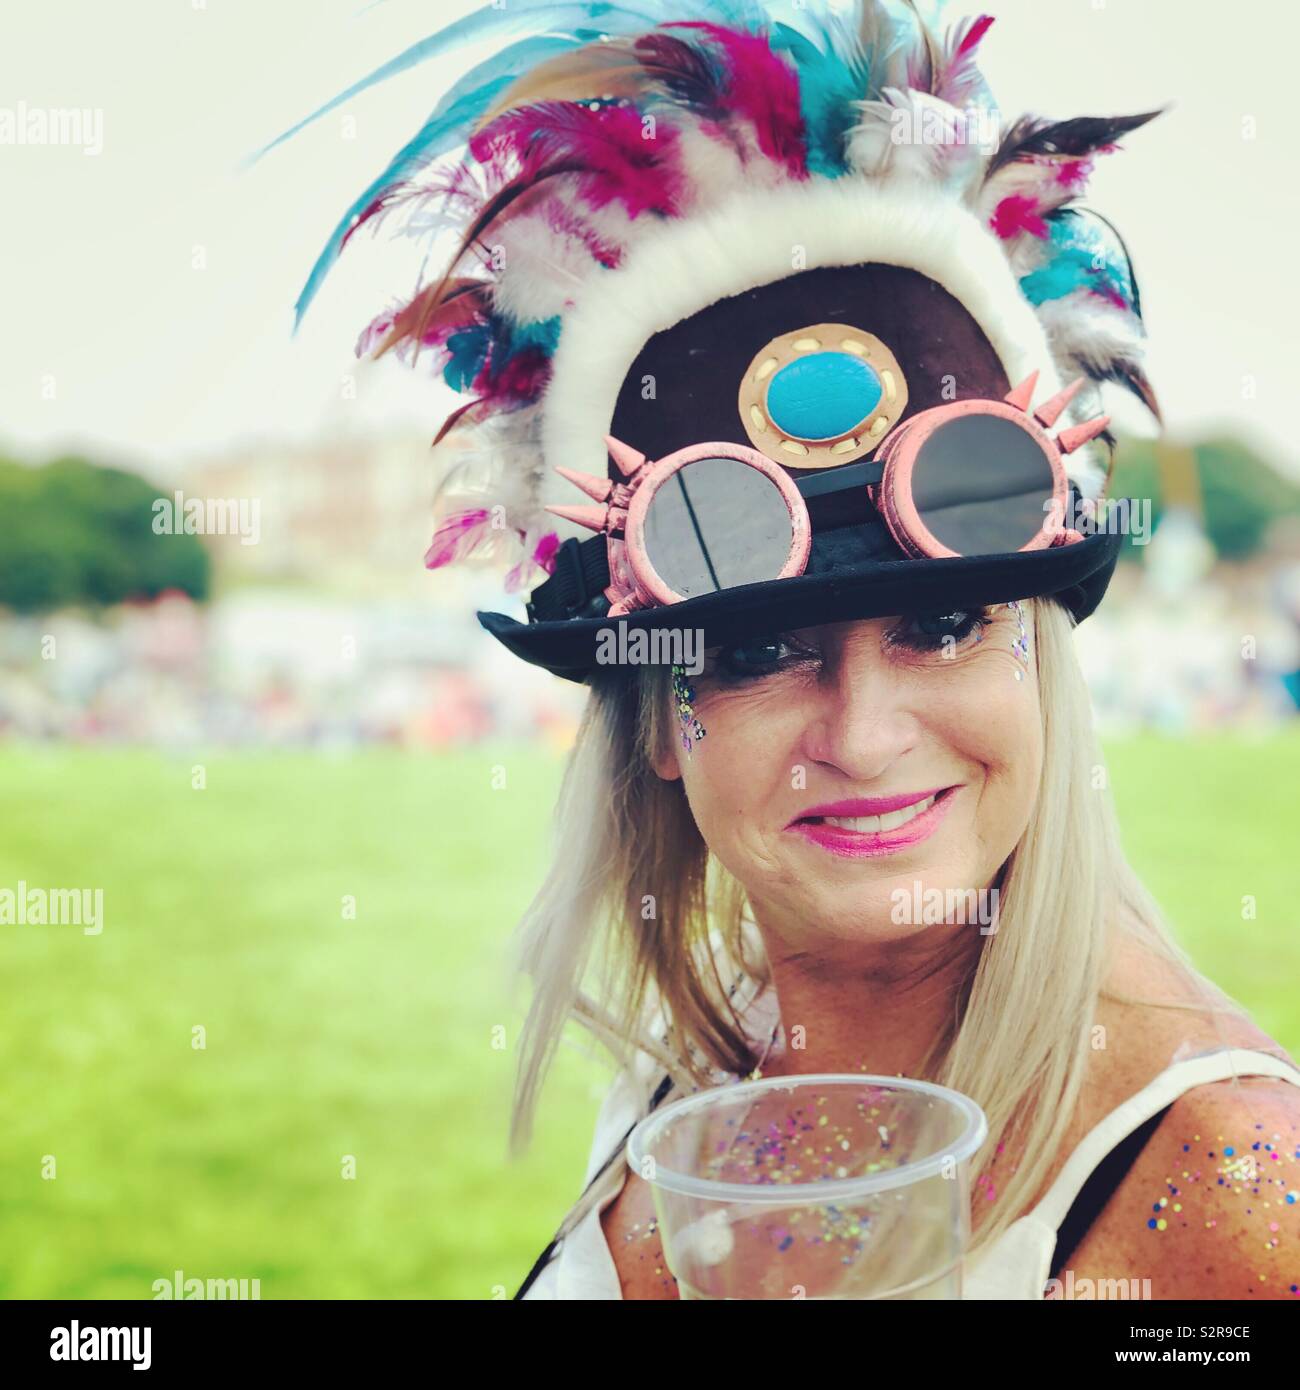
154, 361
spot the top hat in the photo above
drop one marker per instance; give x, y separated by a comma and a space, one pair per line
768, 297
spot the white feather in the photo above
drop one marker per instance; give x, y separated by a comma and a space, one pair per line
495, 463
1093, 332
915, 135
539, 267
713, 168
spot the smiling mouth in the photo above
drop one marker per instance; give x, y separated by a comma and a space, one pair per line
875, 825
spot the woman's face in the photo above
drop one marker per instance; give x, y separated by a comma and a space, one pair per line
850, 768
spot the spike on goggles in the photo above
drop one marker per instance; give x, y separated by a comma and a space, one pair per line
973, 477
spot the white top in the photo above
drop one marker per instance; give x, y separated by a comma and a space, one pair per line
1016, 1266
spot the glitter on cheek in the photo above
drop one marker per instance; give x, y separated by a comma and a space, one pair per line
1020, 643
684, 695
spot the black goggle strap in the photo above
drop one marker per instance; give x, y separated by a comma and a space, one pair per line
577, 583
834, 497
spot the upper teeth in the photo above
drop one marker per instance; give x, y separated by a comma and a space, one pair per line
869, 824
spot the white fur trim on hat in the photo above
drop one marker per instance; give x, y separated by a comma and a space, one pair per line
754, 238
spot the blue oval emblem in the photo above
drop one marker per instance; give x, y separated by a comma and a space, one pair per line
823, 395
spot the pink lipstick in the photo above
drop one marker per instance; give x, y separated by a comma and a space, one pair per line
865, 827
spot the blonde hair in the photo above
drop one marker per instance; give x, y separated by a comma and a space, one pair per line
637, 922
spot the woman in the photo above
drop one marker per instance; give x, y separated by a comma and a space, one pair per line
835, 376
1103, 1006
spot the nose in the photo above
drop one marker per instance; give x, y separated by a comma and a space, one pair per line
859, 722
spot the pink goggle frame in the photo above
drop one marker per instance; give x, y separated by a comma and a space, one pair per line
623, 506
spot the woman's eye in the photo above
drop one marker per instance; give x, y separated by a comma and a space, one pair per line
758, 657
935, 631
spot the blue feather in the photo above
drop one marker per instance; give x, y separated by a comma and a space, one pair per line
467, 351
832, 64
830, 79
445, 129
545, 19
485, 23
543, 334
1060, 276
453, 117
1081, 258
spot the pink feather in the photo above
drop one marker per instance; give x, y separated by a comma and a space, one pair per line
606, 150
966, 43
522, 379
1074, 172
543, 557
957, 78
564, 220
762, 89
1111, 296
457, 537
1015, 214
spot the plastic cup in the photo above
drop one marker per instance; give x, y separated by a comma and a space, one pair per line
827, 1186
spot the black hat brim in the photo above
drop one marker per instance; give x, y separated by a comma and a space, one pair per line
1076, 575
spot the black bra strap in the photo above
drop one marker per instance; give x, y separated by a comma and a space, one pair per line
1098, 1190
544, 1258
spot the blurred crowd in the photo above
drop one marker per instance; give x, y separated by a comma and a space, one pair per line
1180, 644
261, 669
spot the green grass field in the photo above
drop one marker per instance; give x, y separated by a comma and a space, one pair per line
373, 1037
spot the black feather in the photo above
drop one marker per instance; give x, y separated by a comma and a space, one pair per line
687, 73
1033, 135
1130, 375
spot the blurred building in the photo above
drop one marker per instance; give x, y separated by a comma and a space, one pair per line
347, 513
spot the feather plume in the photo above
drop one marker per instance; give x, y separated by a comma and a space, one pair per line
551, 29
570, 24
535, 162
594, 70
457, 537
605, 148
1016, 213
886, 45
924, 60
833, 74
762, 89
1078, 255
956, 78
916, 135
602, 149
462, 415
1032, 137
464, 303
539, 554
688, 75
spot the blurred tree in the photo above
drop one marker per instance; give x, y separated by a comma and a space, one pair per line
73, 533
1240, 495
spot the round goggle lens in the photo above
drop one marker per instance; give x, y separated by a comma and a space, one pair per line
982, 485
716, 524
